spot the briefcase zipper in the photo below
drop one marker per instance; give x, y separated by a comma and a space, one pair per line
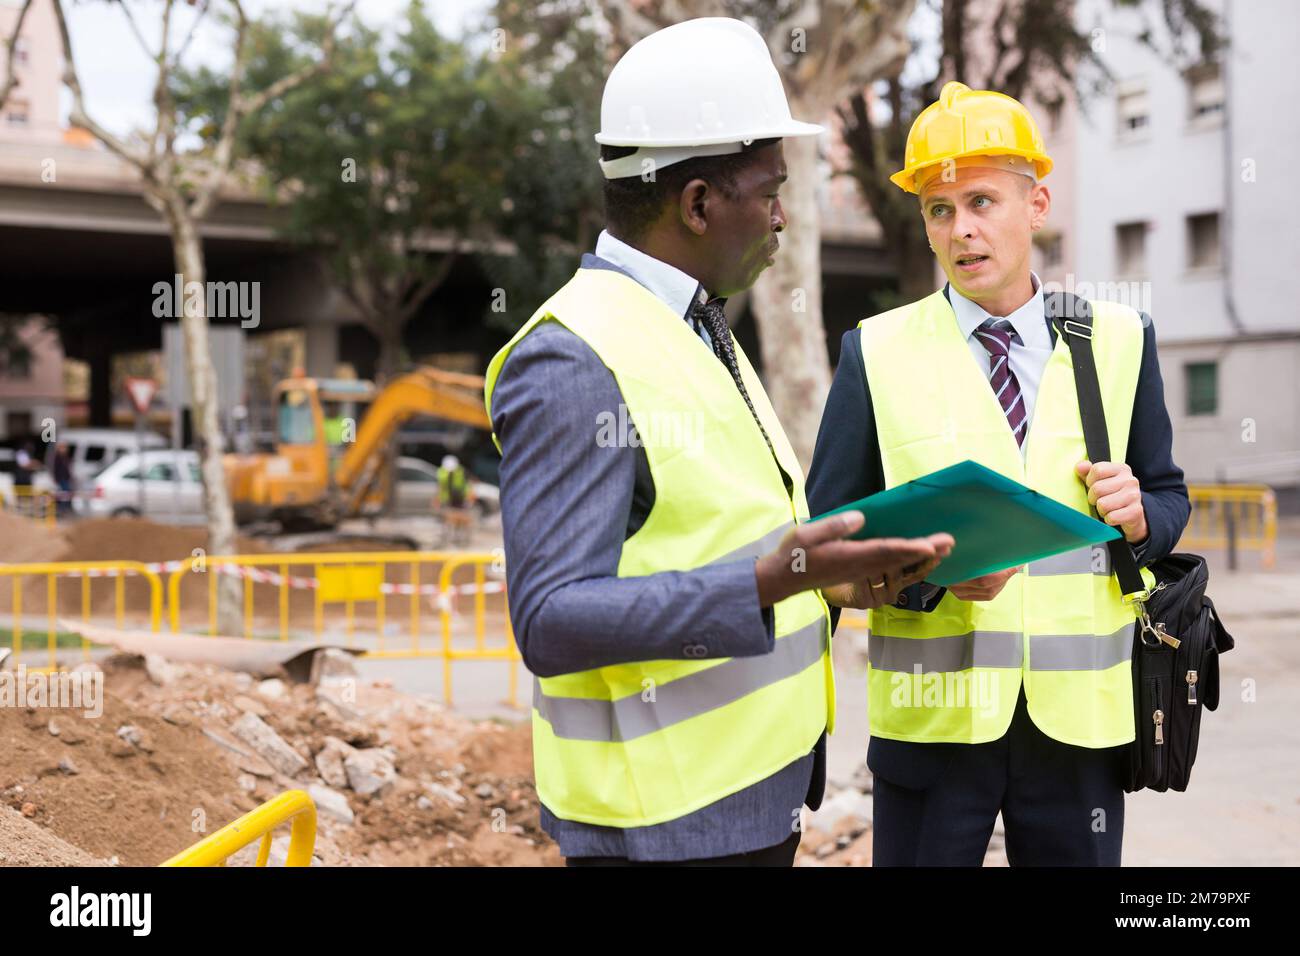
1167, 637
1159, 718
1191, 688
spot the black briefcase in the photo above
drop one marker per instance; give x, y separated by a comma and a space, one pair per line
1175, 673
1178, 636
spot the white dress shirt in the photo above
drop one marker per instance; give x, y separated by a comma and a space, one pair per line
1028, 356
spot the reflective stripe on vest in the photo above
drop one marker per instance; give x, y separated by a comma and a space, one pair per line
637, 744
627, 718
1060, 628
1047, 652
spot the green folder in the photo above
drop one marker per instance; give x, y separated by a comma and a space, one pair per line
996, 522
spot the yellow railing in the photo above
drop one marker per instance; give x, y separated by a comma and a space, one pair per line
292, 805
481, 652
32, 503
1243, 517
362, 581
86, 571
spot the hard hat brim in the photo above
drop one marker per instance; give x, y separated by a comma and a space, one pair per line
905, 179
778, 131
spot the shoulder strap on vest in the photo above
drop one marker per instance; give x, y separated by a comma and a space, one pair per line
1073, 318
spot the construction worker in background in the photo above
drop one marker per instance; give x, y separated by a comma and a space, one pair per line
61, 474
663, 577
1035, 705
454, 503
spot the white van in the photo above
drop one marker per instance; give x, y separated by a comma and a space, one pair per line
94, 449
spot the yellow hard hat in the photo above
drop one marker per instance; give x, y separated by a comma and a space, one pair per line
964, 123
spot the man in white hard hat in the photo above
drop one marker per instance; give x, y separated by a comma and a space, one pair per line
663, 578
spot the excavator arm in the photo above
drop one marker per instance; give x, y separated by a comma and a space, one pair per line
426, 391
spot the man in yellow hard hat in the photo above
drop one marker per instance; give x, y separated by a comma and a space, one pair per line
1010, 693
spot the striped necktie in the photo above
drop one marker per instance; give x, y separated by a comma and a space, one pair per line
996, 336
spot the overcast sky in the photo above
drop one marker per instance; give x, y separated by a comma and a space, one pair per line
118, 78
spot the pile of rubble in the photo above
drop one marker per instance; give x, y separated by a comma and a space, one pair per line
181, 750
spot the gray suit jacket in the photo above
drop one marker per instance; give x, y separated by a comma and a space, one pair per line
567, 506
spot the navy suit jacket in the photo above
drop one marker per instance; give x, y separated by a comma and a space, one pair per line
846, 466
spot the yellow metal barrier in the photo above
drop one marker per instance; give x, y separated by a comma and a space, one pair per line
32, 503
292, 805
1233, 516
86, 571
362, 578
481, 652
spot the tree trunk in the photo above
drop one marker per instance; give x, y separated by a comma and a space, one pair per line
914, 260
787, 303
388, 329
187, 249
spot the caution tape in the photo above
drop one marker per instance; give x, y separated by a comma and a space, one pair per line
262, 576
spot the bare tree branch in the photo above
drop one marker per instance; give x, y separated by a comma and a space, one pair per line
135, 29
241, 106
78, 116
165, 118
185, 44
11, 68
414, 299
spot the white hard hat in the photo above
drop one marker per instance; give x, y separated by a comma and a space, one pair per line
704, 87
449, 461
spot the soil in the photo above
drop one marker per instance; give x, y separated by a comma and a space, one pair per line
463, 794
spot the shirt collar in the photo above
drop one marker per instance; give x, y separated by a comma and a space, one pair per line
667, 283
1029, 321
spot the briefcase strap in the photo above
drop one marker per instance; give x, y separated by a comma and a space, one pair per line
1072, 316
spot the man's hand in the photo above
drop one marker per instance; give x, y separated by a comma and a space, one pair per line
1115, 491
816, 555
983, 588
869, 593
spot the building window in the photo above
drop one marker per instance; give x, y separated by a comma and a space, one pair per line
1049, 247
1202, 387
1205, 94
1134, 111
1203, 241
1054, 112
16, 113
1131, 248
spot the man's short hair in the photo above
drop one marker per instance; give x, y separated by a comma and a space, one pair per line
633, 204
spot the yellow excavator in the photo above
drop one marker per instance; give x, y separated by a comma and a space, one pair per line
333, 435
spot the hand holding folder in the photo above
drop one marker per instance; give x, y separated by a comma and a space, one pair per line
997, 523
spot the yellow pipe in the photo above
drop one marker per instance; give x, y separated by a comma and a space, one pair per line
294, 805
284, 601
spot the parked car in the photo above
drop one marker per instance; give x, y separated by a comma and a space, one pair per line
417, 487
173, 488
94, 449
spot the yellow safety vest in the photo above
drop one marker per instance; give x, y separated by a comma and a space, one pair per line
637, 744
1060, 626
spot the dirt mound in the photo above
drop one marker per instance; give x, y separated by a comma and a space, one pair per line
82, 779
24, 843
173, 758
23, 540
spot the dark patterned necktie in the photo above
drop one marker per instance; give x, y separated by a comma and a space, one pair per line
996, 336
714, 320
